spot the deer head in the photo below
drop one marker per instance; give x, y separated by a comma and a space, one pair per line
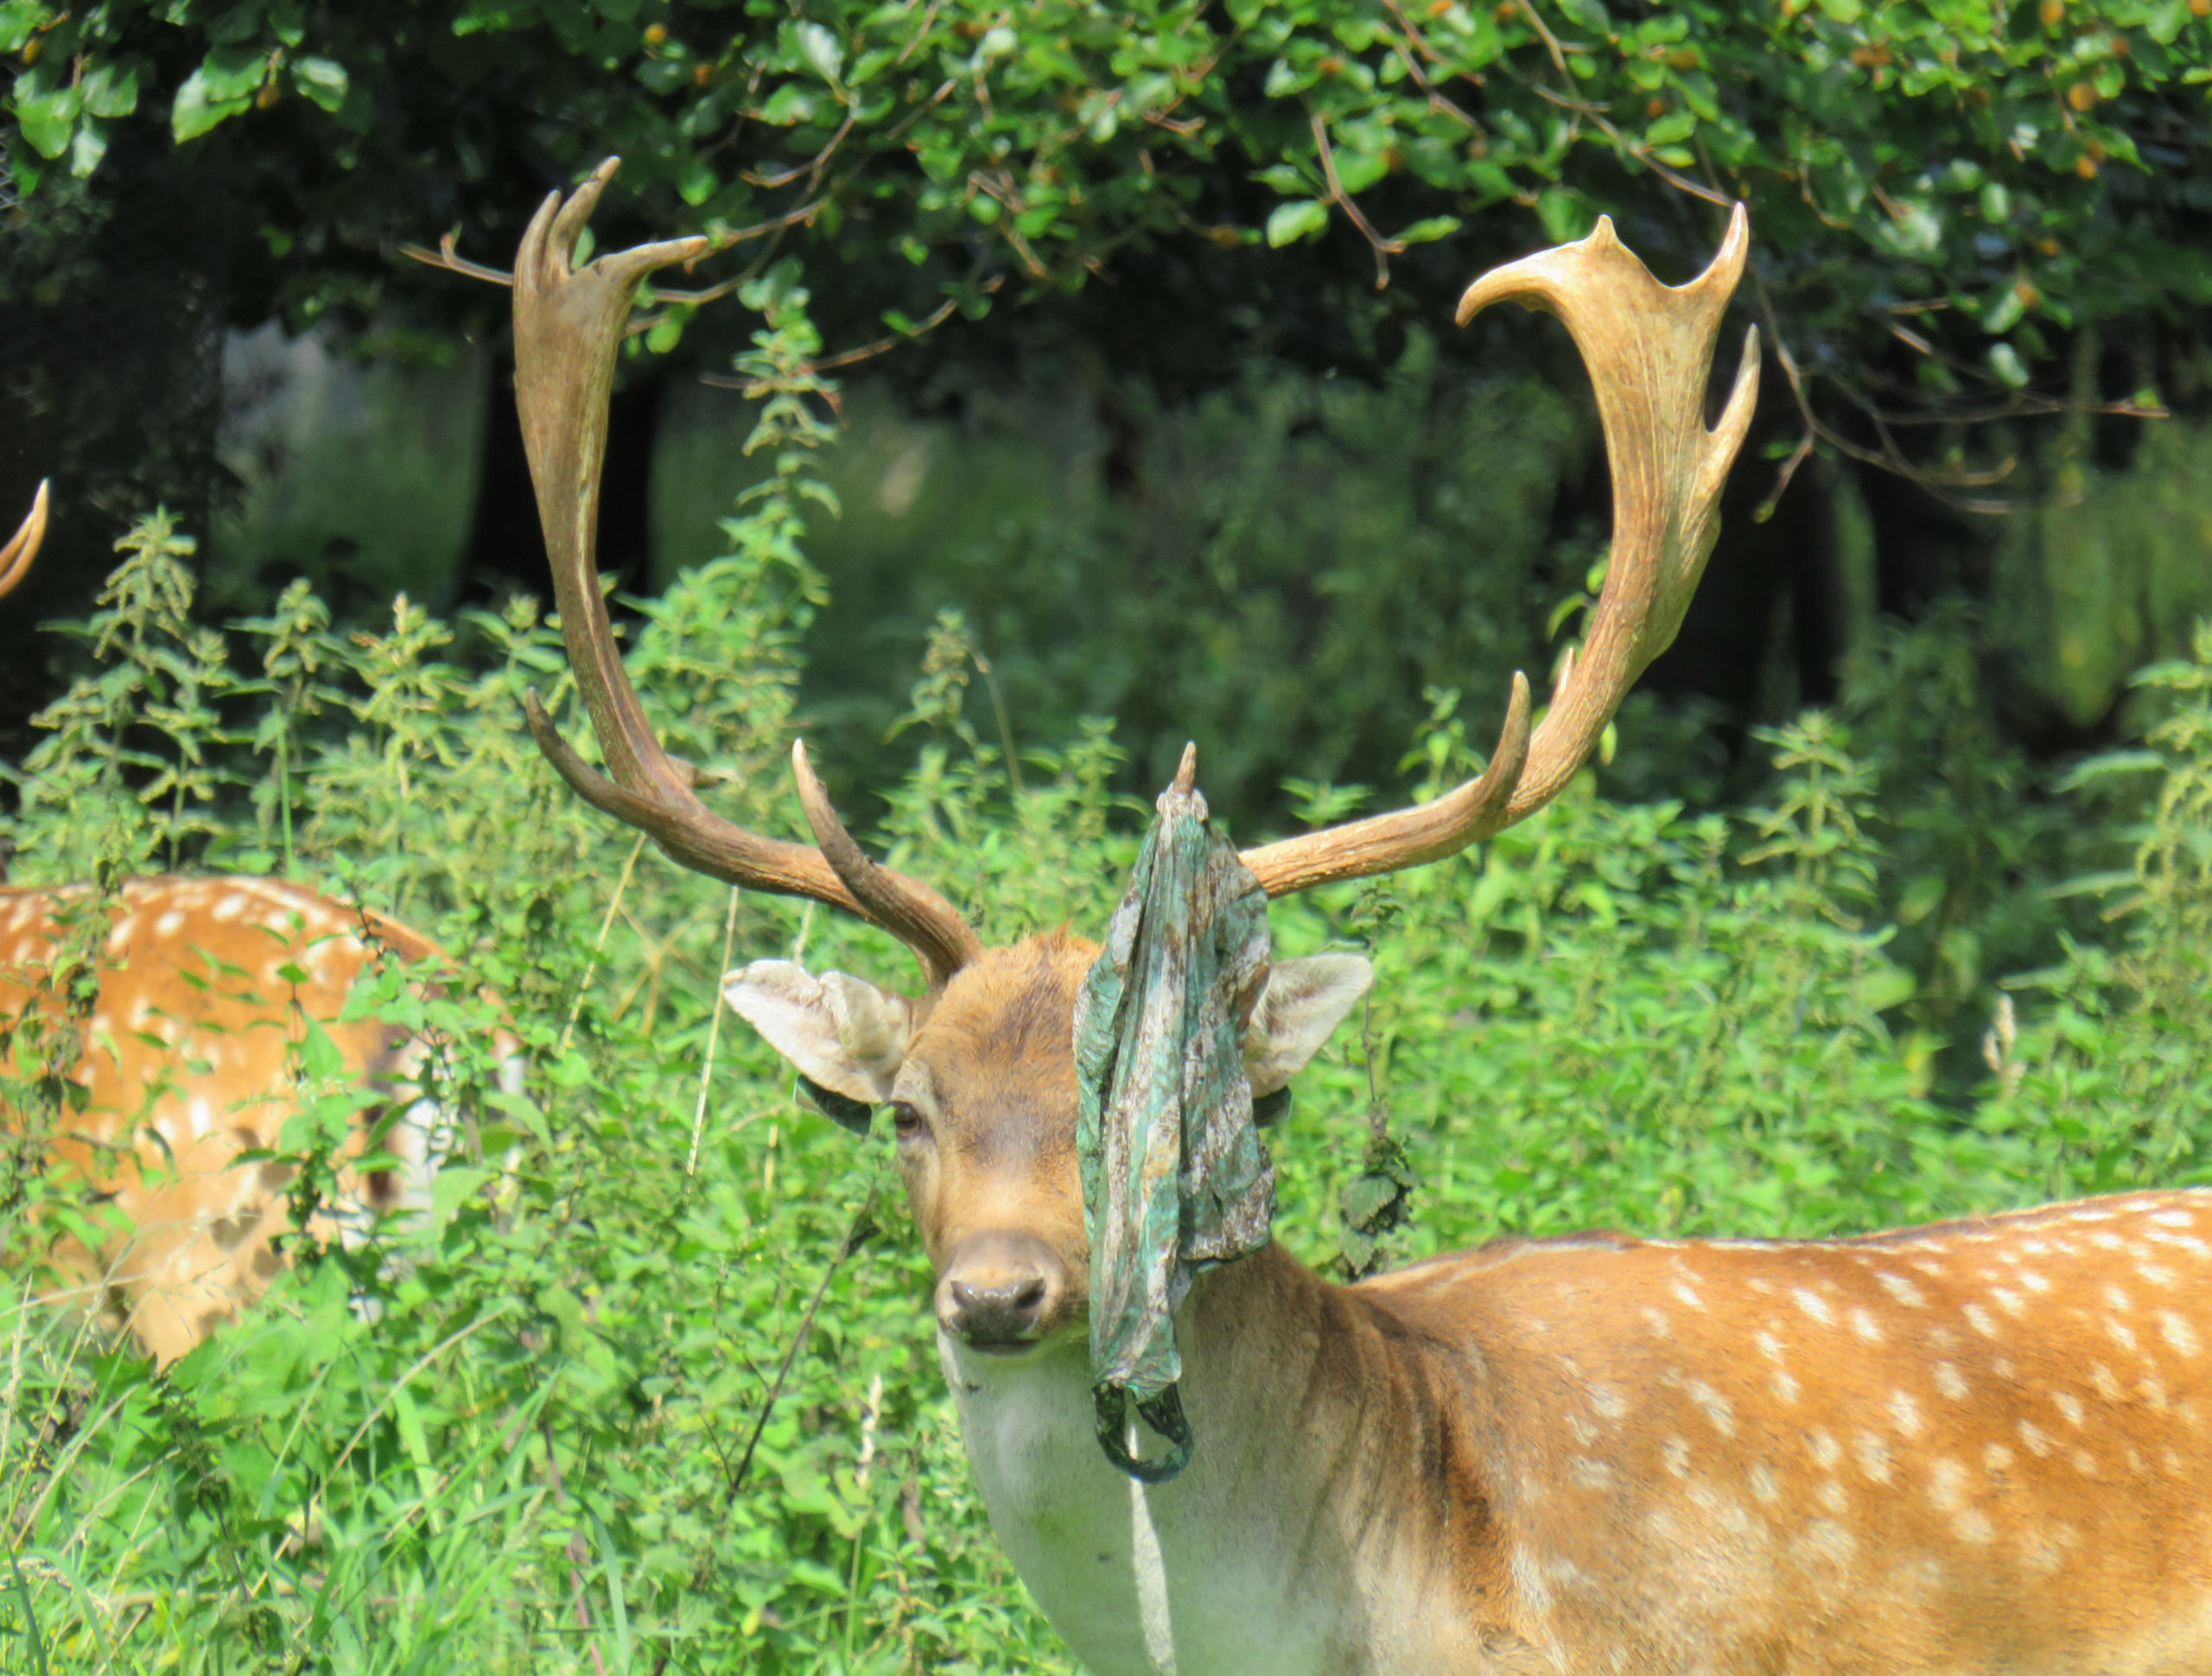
977, 1068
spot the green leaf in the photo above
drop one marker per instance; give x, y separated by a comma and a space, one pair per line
322, 80
2003, 310
453, 1186
1921, 899
1671, 128
88, 148
47, 119
110, 89
2005, 362
1843, 11
822, 51
194, 111
1291, 222
234, 72
790, 105
1565, 217
1429, 231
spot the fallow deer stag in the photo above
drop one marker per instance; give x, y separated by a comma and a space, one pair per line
1978, 1446
181, 1054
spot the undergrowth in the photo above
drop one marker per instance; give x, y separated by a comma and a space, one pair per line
660, 1393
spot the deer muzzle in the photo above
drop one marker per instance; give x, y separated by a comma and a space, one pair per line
1000, 1291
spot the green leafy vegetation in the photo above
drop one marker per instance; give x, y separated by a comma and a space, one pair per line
660, 1393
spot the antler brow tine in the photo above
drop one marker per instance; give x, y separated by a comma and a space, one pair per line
1648, 348
568, 326
16, 557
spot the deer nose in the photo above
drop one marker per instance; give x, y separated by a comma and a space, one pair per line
1000, 1290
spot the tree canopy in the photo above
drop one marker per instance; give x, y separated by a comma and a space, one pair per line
1942, 190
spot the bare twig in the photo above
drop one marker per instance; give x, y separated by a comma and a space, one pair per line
813, 167
714, 1031
1384, 249
856, 1233
444, 256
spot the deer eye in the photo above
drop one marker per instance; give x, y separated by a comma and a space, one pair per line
906, 1122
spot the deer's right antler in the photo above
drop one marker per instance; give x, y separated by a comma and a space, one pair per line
1648, 347
16, 557
569, 324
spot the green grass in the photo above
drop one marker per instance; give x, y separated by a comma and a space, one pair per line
662, 1395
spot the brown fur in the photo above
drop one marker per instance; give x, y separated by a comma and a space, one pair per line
1981, 1445
184, 1062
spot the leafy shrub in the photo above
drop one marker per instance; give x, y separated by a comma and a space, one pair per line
661, 1395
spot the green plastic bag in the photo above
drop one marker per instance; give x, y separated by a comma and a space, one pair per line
1175, 1177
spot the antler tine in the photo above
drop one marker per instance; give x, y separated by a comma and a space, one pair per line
16, 557
1648, 347
906, 908
569, 323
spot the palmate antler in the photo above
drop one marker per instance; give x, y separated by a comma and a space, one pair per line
569, 324
16, 557
1648, 347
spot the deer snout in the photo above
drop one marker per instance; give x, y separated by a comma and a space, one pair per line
1000, 1291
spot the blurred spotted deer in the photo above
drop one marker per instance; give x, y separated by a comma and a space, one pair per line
1978, 1446
167, 1019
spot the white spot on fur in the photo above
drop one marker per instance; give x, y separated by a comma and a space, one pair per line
1865, 1326
231, 906
1946, 1485
2035, 1438
1981, 1320
2068, 1404
2033, 1281
2177, 1333
1784, 1387
1996, 1457
1873, 1453
2007, 1300
2107, 1387
1973, 1525
1949, 1382
1676, 1453
1814, 1304
1763, 1482
2084, 1463
169, 924
1905, 1413
1826, 1450
1716, 1407
1589, 1473
1833, 1496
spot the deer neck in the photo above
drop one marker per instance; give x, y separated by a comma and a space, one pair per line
1334, 1517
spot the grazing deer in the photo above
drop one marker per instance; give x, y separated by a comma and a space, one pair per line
1979, 1446
185, 1059
180, 1049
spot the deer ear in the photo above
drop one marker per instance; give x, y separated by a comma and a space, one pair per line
837, 1031
1305, 1000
